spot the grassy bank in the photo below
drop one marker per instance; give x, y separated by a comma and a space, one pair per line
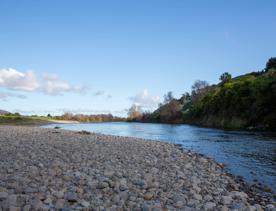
14, 119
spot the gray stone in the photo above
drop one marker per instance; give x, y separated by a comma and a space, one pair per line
123, 185
27, 207
59, 204
71, 196
102, 185
226, 200
209, 206
85, 203
3, 195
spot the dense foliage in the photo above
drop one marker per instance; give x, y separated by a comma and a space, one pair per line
247, 101
17, 118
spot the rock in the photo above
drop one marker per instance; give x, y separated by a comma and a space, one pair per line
239, 195
238, 206
208, 198
102, 185
209, 206
27, 207
12, 200
12, 208
198, 197
250, 208
48, 201
258, 207
145, 207
123, 185
108, 173
71, 197
124, 195
116, 198
41, 165
85, 203
226, 200
58, 194
270, 207
179, 204
59, 204
3, 195
148, 196
36, 204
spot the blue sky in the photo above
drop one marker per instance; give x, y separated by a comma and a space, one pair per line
102, 56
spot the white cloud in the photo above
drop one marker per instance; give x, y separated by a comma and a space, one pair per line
50, 76
145, 99
13, 79
5, 95
28, 81
59, 87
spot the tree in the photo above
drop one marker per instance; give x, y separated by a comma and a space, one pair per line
271, 63
199, 85
135, 112
171, 111
225, 77
186, 97
168, 97
199, 89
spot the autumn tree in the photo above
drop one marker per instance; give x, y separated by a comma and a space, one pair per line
199, 89
135, 112
171, 112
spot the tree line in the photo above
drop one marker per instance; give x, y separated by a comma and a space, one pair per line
246, 101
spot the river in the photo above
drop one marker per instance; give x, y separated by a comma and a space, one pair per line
247, 154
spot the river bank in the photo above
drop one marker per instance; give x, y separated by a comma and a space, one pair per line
58, 169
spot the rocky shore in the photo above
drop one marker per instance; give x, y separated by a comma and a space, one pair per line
53, 169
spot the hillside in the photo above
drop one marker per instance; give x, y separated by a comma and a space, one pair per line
247, 101
2, 112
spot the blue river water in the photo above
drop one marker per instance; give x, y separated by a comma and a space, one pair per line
247, 154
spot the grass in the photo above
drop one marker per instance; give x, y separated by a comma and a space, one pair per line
18, 119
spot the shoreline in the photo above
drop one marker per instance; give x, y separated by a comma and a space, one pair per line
134, 172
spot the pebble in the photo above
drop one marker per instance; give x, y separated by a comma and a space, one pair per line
209, 206
226, 200
71, 197
148, 196
85, 203
60, 204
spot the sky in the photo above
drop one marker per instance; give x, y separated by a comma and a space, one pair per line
103, 56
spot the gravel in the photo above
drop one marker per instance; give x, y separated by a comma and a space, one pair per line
54, 169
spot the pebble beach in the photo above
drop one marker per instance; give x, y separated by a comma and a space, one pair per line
54, 169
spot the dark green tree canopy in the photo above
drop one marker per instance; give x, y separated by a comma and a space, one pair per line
225, 77
271, 63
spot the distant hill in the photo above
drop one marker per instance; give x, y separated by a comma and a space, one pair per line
246, 101
2, 112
